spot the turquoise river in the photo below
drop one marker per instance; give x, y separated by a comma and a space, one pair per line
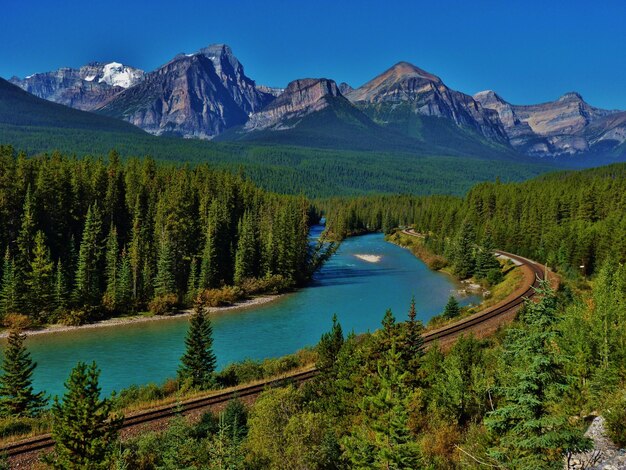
358, 291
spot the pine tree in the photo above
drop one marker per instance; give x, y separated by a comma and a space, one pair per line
452, 308
388, 333
486, 262
464, 262
246, 261
329, 346
84, 429
8, 289
111, 270
383, 440
165, 280
26, 236
39, 279
17, 397
209, 266
198, 363
124, 290
192, 282
528, 433
87, 290
61, 291
413, 341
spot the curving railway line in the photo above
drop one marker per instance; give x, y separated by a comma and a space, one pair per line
497, 315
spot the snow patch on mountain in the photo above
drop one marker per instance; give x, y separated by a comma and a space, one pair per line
116, 74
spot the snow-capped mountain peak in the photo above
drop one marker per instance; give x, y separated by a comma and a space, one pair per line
116, 74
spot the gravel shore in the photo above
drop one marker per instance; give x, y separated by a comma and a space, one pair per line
253, 302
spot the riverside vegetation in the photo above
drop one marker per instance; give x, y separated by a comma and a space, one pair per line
518, 400
84, 239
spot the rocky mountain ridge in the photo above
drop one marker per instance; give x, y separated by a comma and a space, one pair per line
566, 126
86, 88
204, 94
194, 95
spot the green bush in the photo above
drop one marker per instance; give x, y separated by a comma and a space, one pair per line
15, 427
494, 277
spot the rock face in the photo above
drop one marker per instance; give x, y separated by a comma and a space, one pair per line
270, 90
300, 98
566, 126
194, 95
427, 95
344, 88
86, 88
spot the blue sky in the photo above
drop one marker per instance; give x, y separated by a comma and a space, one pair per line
528, 51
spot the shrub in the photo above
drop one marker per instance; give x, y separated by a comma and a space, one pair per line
17, 321
224, 296
75, 317
615, 416
494, 276
273, 284
15, 427
163, 304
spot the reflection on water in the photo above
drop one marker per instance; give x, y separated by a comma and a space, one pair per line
358, 291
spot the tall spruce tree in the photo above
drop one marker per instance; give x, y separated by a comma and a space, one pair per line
209, 263
329, 346
198, 363
383, 439
464, 261
17, 397
40, 280
8, 289
192, 281
61, 291
87, 286
25, 244
124, 292
165, 280
111, 269
412, 342
528, 434
246, 261
84, 428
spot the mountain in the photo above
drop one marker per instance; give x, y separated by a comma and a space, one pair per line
406, 88
193, 95
312, 112
24, 111
87, 88
565, 127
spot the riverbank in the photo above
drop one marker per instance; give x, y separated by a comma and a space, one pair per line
133, 319
512, 281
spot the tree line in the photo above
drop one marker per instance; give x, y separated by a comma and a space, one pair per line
572, 220
83, 238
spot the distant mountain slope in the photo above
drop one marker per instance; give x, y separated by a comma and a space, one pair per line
193, 95
314, 113
425, 94
566, 127
21, 109
86, 88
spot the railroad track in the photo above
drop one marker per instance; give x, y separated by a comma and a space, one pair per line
43, 442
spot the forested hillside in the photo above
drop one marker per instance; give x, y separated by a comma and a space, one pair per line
82, 239
572, 221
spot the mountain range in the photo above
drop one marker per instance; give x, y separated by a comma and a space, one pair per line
207, 95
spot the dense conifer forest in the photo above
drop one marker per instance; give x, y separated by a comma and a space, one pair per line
88, 238
573, 221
